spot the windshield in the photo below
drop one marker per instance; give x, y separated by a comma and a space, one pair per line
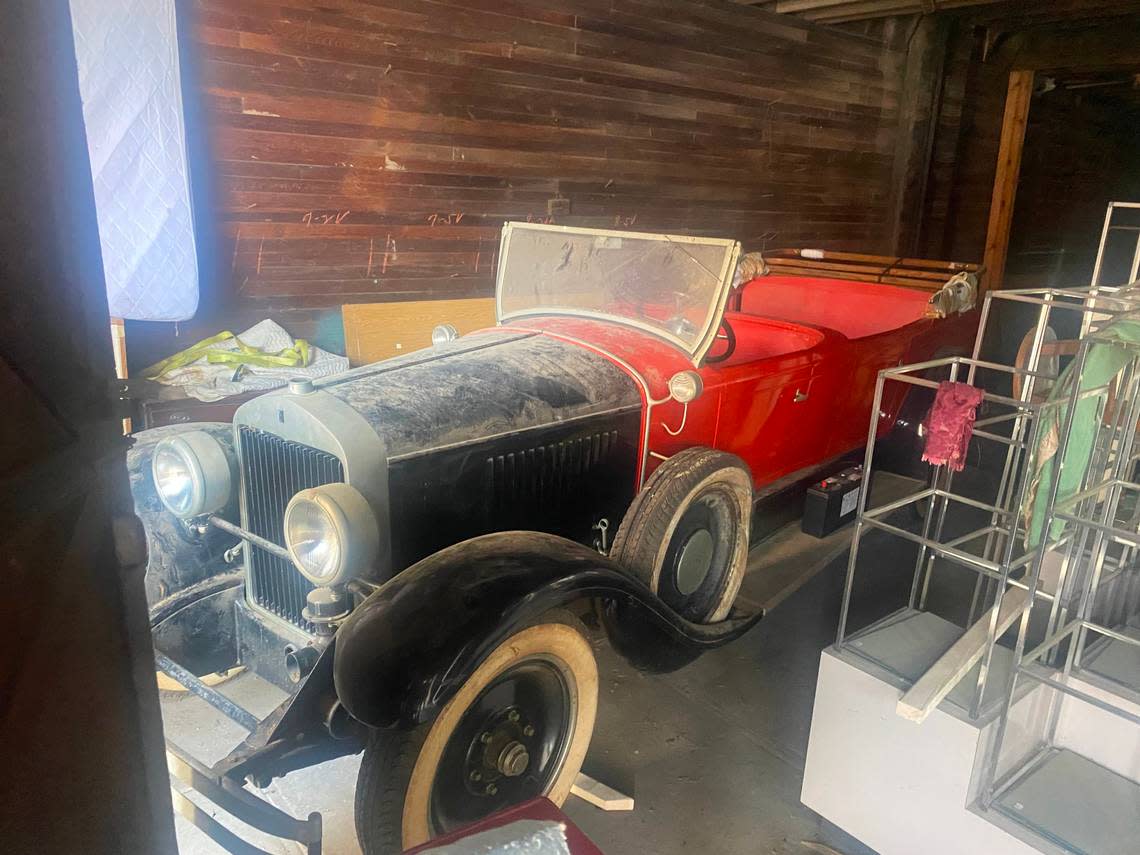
671, 286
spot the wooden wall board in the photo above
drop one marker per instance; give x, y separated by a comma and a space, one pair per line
375, 331
964, 156
966, 152
371, 151
1080, 146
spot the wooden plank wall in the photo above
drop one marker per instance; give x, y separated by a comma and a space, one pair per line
965, 151
369, 150
1073, 148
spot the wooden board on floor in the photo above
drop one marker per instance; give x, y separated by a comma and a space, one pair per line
941, 677
375, 331
599, 795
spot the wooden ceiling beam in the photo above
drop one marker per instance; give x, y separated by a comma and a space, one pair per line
856, 10
1051, 11
1099, 47
988, 12
841, 11
793, 7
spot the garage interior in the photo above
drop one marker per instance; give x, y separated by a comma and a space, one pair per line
341, 176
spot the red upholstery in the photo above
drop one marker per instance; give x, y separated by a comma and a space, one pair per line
856, 309
761, 338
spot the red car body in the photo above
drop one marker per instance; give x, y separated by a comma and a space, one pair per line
798, 387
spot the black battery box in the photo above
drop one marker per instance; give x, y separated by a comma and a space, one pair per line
832, 502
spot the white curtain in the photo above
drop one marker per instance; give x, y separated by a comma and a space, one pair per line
127, 53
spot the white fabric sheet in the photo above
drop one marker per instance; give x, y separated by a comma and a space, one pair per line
208, 382
127, 54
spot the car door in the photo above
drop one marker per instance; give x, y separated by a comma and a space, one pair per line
771, 414
853, 387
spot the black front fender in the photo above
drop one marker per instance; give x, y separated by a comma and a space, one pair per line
408, 648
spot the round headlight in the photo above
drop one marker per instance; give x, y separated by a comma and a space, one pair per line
331, 534
685, 386
192, 474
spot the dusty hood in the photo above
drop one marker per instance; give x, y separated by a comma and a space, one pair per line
480, 386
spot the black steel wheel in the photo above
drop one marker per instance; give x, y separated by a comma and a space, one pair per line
517, 729
686, 533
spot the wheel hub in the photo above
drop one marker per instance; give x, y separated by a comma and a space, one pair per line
694, 561
513, 759
506, 748
502, 749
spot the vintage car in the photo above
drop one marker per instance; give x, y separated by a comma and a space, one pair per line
405, 548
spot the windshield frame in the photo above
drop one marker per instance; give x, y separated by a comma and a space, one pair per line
703, 342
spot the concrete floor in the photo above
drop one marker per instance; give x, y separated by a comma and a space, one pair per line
713, 754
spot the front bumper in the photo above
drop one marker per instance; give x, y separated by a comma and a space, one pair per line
222, 783
227, 795
210, 627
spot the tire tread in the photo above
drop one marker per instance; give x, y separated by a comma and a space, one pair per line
385, 770
650, 515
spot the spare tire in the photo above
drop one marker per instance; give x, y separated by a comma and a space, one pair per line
686, 533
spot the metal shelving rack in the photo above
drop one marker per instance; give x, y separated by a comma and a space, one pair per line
1055, 753
1118, 255
904, 642
1055, 691
1064, 763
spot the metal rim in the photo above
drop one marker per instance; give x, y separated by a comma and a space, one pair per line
698, 560
508, 746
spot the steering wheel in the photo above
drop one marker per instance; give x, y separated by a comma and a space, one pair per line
730, 337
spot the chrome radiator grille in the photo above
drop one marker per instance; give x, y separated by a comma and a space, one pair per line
273, 471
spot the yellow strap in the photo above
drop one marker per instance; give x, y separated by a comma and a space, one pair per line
289, 357
184, 357
298, 355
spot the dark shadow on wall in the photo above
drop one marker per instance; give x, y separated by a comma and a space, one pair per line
1080, 153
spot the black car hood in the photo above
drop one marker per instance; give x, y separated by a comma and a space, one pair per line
482, 385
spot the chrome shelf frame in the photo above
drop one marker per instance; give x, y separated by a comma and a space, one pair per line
994, 552
1096, 533
991, 551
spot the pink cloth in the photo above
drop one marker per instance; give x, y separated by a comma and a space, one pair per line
950, 424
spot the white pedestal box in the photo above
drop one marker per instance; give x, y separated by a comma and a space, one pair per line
901, 788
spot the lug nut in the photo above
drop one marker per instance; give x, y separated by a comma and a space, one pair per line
476, 775
485, 738
491, 789
528, 731
513, 715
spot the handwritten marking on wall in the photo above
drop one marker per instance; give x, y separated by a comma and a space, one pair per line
311, 219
